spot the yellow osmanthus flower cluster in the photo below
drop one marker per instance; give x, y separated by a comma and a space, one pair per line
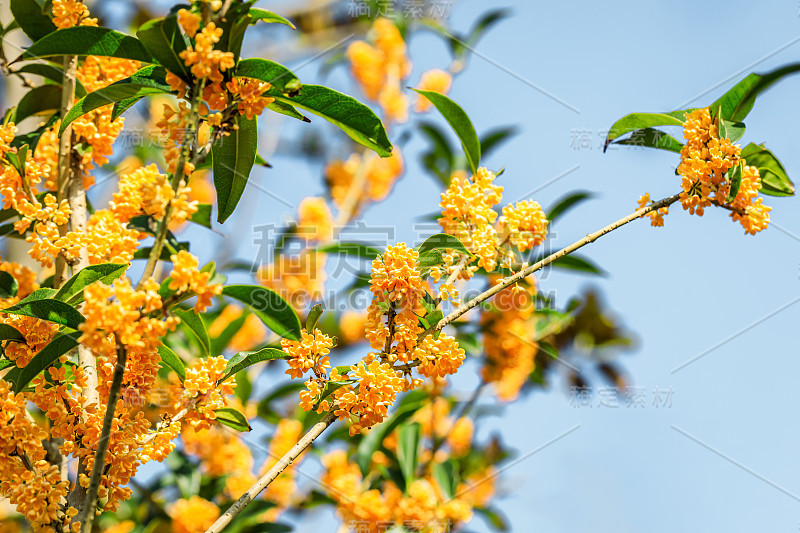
186, 278
172, 128
193, 515
380, 175
205, 62
200, 394
423, 507
706, 164
509, 329
314, 219
309, 353
381, 67
147, 191
69, 13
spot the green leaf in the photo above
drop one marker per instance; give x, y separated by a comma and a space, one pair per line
149, 80
122, 106
280, 77
202, 216
731, 130
735, 177
578, 263
38, 101
566, 203
257, 14
171, 359
53, 73
196, 326
774, 180
313, 317
429, 260
494, 518
446, 476
286, 109
269, 307
72, 291
408, 450
737, 102
88, 41
443, 242
483, 24
242, 360
165, 41
354, 118
352, 249
637, 121
8, 285
39, 304
461, 124
232, 158
492, 139
233, 419
61, 344
652, 138
7, 333
33, 17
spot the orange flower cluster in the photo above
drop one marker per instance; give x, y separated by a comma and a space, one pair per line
705, 161
146, 191
525, 223
440, 356
172, 127
202, 58
381, 67
69, 13
424, 506
380, 175
108, 239
657, 216
185, 277
436, 80
201, 394
309, 353
194, 515
509, 329
249, 95
314, 219
299, 279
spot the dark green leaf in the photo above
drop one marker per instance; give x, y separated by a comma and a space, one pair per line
566, 203
443, 242
122, 106
494, 518
88, 41
233, 419
774, 180
61, 344
165, 41
149, 80
202, 216
439, 159
8, 285
737, 102
286, 109
72, 290
735, 177
652, 138
33, 17
232, 158
445, 475
196, 326
352, 249
171, 359
408, 450
313, 317
578, 263
242, 360
39, 304
7, 333
280, 77
637, 121
268, 306
38, 101
494, 138
53, 73
257, 14
483, 24
461, 124
354, 118
267, 527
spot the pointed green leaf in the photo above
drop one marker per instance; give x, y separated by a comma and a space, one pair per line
8, 285
61, 344
232, 159
202, 216
257, 14
171, 359
149, 80
774, 179
494, 138
446, 475
39, 304
280, 77
268, 306
7, 333
242, 360
735, 177
72, 290
351, 249
88, 41
33, 17
38, 101
737, 102
313, 317
354, 118
233, 419
461, 124
578, 263
123, 105
652, 138
443, 242
196, 325
164, 40
637, 121
286, 109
